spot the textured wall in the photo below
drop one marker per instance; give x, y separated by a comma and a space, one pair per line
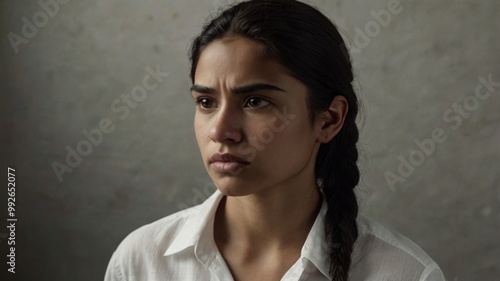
417, 75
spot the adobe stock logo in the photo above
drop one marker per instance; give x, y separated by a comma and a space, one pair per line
199, 196
372, 29
121, 106
49, 9
266, 136
454, 117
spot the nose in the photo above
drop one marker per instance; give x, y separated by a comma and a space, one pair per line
226, 126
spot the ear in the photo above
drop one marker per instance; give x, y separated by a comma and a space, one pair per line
330, 121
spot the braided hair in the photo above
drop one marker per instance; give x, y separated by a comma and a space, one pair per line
310, 47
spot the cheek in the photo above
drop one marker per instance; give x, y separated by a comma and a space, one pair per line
284, 140
200, 130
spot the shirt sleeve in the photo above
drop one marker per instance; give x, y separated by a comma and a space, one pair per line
432, 272
113, 272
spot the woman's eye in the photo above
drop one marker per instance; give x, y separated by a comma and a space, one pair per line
205, 102
257, 103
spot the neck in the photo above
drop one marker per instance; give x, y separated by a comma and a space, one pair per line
268, 220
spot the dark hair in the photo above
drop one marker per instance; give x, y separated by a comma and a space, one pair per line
310, 47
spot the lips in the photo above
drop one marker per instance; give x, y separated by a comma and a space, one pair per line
227, 163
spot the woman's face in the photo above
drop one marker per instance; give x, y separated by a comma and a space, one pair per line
251, 122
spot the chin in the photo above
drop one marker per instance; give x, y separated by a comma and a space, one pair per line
233, 189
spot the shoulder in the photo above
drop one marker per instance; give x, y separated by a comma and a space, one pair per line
388, 255
374, 234
146, 245
157, 235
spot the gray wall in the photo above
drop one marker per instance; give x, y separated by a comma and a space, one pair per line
410, 72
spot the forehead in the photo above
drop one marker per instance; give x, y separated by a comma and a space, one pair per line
236, 60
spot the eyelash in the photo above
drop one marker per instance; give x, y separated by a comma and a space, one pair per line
259, 99
200, 100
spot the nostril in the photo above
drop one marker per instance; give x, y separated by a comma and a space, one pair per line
225, 132
226, 124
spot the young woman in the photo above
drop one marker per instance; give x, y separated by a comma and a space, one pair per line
275, 124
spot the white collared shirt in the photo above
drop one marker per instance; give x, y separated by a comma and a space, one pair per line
181, 247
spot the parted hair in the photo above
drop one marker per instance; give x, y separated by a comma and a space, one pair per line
312, 50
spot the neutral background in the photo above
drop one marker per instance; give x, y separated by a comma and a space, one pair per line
410, 73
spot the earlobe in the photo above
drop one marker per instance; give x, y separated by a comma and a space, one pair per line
332, 119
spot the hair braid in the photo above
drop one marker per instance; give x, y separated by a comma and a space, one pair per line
339, 174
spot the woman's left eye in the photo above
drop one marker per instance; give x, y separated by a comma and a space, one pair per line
255, 102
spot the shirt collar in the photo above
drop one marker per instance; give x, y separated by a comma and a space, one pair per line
197, 232
315, 248
198, 229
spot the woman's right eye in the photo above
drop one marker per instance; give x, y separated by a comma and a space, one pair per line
205, 103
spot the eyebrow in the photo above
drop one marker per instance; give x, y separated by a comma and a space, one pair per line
239, 90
